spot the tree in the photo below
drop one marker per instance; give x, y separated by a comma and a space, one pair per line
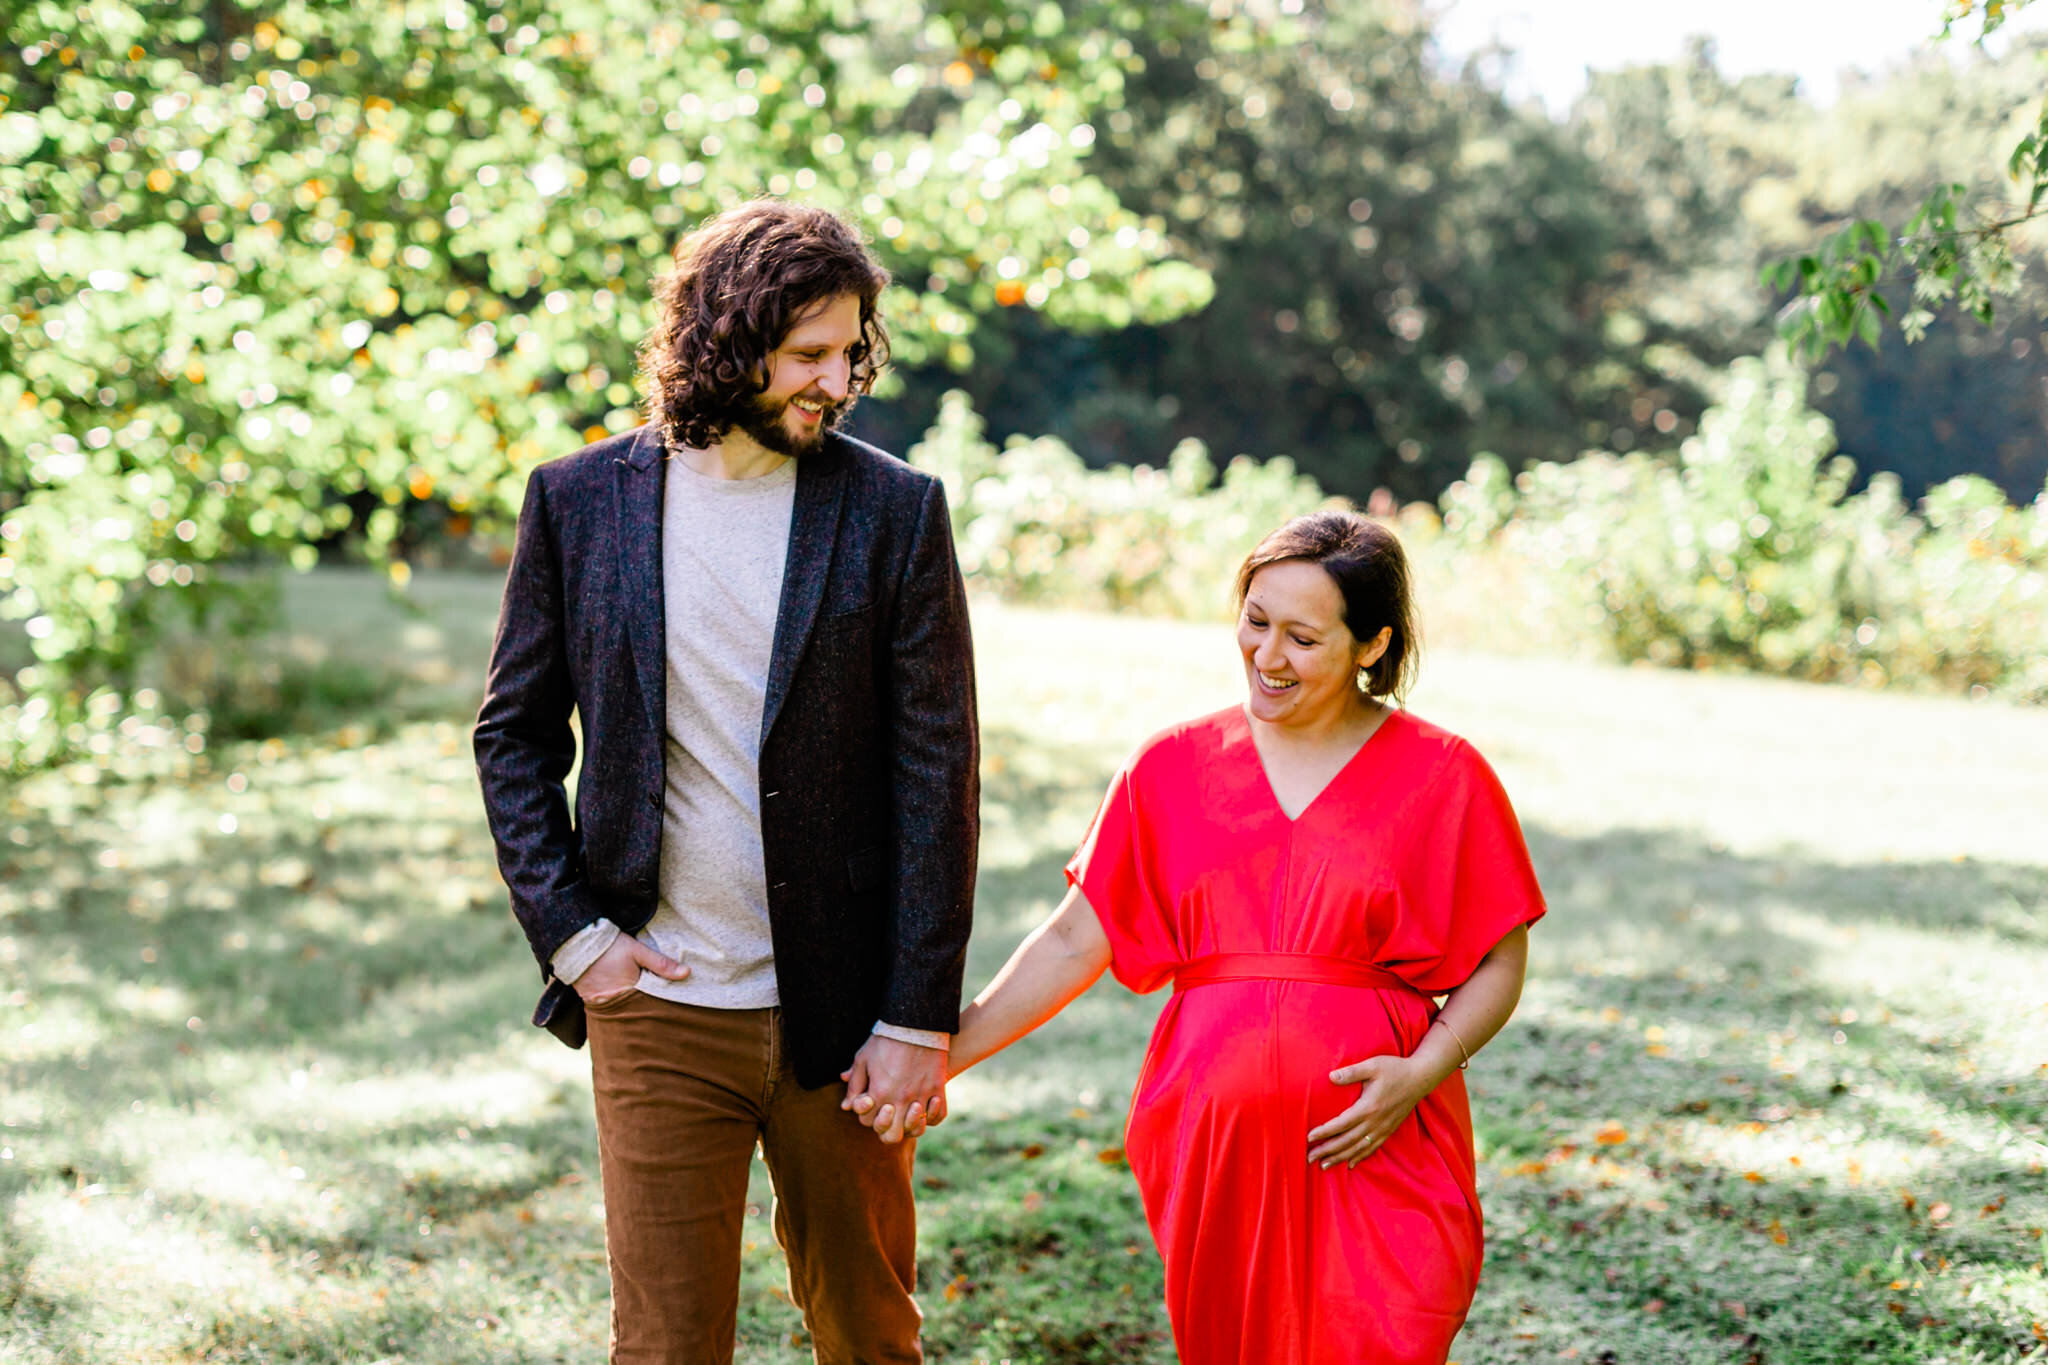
1958, 245
273, 271
1731, 174
1406, 269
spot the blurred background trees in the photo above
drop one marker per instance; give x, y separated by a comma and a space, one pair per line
284, 282
286, 278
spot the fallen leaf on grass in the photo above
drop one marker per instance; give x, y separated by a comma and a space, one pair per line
956, 1288
1033, 1151
1033, 1201
1111, 1156
1611, 1134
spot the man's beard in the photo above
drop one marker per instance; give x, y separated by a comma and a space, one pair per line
766, 420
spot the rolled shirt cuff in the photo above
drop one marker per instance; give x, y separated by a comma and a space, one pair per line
922, 1037
576, 957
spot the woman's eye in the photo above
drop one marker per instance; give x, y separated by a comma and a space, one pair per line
1305, 644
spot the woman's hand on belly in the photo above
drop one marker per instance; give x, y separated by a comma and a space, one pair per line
1393, 1086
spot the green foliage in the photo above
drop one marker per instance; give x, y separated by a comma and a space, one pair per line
1406, 267
1948, 255
1032, 523
1733, 174
277, 272
1750, 551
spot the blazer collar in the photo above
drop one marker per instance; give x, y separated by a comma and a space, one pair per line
813, 530
640, 488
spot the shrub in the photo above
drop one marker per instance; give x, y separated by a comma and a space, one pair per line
1032, 523
1749, 551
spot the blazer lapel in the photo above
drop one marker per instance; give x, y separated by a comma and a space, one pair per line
639, 523
813, 528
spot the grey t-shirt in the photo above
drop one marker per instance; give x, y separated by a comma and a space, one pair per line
723, 547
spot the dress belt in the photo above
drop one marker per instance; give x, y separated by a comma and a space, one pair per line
1320, 968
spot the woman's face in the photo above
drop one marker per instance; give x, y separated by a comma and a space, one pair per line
1301, 661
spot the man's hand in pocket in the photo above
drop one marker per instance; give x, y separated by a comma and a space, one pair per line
618, 971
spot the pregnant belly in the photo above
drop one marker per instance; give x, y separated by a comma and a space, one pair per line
1261, 1052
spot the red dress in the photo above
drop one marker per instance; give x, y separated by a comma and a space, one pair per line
1409, 860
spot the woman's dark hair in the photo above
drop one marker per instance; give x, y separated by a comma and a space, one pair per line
740, 282
1366, 563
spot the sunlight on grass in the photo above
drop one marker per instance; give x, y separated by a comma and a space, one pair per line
1776, 1090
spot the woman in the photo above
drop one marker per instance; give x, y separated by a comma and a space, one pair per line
1308, 870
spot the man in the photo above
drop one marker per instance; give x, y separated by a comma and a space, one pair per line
766, 883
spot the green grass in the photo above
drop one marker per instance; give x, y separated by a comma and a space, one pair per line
1776, 1091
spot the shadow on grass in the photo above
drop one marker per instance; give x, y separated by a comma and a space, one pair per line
353, 958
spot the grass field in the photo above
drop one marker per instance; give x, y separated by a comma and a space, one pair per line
1776, 1092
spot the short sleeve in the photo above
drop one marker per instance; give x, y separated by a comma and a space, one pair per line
1470, 883
1114, 867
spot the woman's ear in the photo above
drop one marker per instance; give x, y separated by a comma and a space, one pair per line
1371, 651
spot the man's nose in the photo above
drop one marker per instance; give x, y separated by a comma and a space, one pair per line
835, 378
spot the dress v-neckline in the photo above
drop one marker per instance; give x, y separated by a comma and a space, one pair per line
1251, 735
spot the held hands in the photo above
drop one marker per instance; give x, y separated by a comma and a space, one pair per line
1393, 1086
618, 971
897, 1088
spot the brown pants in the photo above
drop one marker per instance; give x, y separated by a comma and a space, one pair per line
683, 1094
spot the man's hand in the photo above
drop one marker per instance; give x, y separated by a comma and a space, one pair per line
618, 971
898, 1089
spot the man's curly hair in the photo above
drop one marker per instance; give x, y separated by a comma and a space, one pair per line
740, 282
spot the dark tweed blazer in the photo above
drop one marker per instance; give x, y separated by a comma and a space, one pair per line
869, 754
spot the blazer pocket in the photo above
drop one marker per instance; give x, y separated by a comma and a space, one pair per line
865, 870
841, 611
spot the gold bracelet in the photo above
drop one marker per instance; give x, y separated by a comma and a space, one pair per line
1459, 1041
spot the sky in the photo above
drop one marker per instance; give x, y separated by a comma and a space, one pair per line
1556, 40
